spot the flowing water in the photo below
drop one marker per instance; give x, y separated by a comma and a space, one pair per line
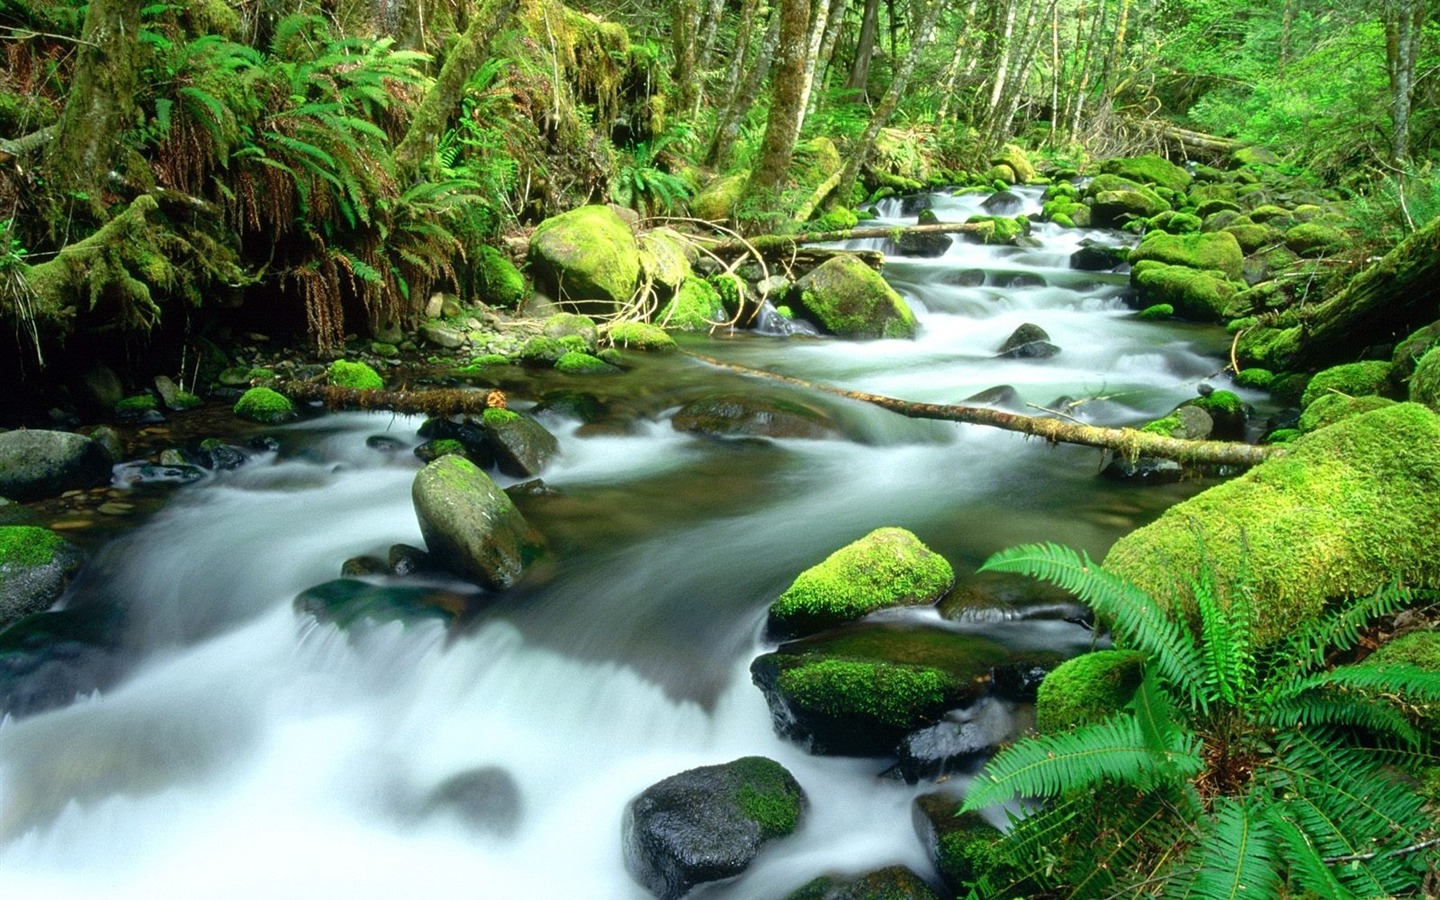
251, 752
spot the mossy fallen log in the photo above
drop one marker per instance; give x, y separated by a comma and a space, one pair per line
779, 244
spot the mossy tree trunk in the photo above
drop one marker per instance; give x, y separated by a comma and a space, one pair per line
757, 65
864, 47
683, 45
101, 102
786, 95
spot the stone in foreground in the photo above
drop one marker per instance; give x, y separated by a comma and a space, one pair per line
470, 526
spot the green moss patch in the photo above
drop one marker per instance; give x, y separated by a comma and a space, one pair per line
1215, 251
640, 336
850, 299
1087, 689
768, 795
1425, 383
355, 375
1150, 168
1360, 379
696, 306
263, 405
578, 363
27, 546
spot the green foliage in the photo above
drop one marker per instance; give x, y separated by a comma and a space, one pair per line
1245, 769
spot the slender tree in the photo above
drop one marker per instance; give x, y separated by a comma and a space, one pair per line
786, 105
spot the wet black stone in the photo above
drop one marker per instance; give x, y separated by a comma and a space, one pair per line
1096, 257
1145, 470
49, 658
1003, 203
487, 799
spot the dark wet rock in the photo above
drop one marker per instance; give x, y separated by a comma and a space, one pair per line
753, 415
535, 487
1195, 423
889, 883
1028, 342
578, 405
912, 204
486, 799
403, 559
954, 744
36, 565
384, 443
50, 658
363, 566
217, 455
858, 692
1019, 678
1002, 396
36, 464
924, 245
708, 824
345, 601
961, 845
770, 321
521, 446
470, 526
1019, 280
263, 444
1144, 470
1093, 256
430, 451
963, 278
143, 473
1002, 597
1003, 203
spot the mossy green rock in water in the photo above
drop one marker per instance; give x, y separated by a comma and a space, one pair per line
35, 566
1087, 689
1215, 251
1196, 295
1348, 508
355, 375
887, 567
586, 257
1359, 379
850, 299
470, 526
1425, 383
963, 846
889, 883
500, 283
709, 823
266, 406
696, 306
1150, 168
640, 336
857, 692
521, 445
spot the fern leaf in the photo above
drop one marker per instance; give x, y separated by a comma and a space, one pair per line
1236, 856
1307, 868
1340, 630
1352, 713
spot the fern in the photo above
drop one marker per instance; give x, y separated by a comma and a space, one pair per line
1236, 858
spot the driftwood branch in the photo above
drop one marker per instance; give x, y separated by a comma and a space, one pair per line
789, 243
434, 403
1127, 442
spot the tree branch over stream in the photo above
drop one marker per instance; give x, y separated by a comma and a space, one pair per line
774, 244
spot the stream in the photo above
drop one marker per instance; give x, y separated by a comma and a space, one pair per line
252, 752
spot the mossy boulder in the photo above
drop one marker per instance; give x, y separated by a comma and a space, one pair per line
639, 336
1215, 251
716, 201
890, 883
857, 692
1193, 294
753, 414
1028, 341
470, 526
849, 299
696, 306
962, 846
586, 258
1150, 168
1420, 649
1358, 379
1156, 312
499, 282
1018, 161
665, 258
887, 567
36, 565
572, 331
1312, 239
1425, 383
1409, 352
1252, 237
997, 229
1176, 222
708, 823
577, 362
521, 446
1113, 209
354, 375
35, 464
1328, 409
264, 405
1087, 689
1347, 509
1254, 377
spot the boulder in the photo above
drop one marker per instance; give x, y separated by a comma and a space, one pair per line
1347, 509
889, 883
50, 658
1312, 239
887, 567
696, 306
961, 845
497, 281
925, 245
1093, 256
850, 299
573, 331
1002, 203
470, 526
956, 744
1192, 294
753, 415
521, 446
1115, 208
665, 258
1028, 341
586, 258
1425, 383
1213, 251
38, 464
264, 405
1087, 689
858, 692
709, 823
36, 565
1358, 379
716, 201
639, 336
1150, 168
346, 601
1017, 160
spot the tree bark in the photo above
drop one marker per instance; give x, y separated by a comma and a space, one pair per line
685, 34
782, 127
722, 143
1404, 20
824, 9
864, 47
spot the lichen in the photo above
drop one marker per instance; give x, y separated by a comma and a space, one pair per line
263, 405
354, 375
1087, 689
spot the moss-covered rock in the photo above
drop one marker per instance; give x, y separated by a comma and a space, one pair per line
856, 692
997, 229
1017, 160
887, 567
36, 565
1408, 353
264, 405
696, 306
1149, 169
1347, 509
500, 283
1193, 294
1253, 237
708, 823
354, 375
1087, 689
470, 526
1176, 222
1254, 377
639, 336
577, 362
850, 299
665, 258
1215, 251
522, 447
1311, 239
716, 201
586, 257
574, 332
1359, 379
962, 846
1328, 409
1425, 383
1156, 312
1114, 209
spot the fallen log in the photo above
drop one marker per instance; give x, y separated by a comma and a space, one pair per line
436, 402
1127, 442
782, 244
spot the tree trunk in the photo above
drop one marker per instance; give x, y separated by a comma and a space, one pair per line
683, 40
101, 103
432, 117
864, 47
824, 9
722, 143
1404, 21
858, 154
783, 126
952, 72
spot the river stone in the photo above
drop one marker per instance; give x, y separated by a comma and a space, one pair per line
521, 446
442, 336
858, 692
665, 257
37, 464
587, 258
1143, 470
1215, 251
952, 745
1151, 168
753, 415
470, 526
486, 799
1003, 203
890, 883
36, 565
850, 299
345, 601
961, 845
1093, 256
1028, 342
886, 568
50, 658
1001, 396
709, 823
1115, 208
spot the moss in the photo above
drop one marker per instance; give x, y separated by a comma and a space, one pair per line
542, 350
1156, 311
768, 795
575, 343
1216, 251
26, 546
580, 363
895, 695
499, 281
135, 404
1168, 426
489, 359
1331, 408
261, 404
587, 254
1176, 222
433, 450
888, 567
1282, 436
1253, 237
1361, 379
1197, 295
1312, 239
1346, 509
1087, 689
850, 299
355, 375
260, 373
1273, 348
1425, 383
1149, 169
1420, 649
998, 229
640, 336
1255, 377
494, 416
186, 400
1014, 157
696, 306
717, 200
1220, 403
835, 219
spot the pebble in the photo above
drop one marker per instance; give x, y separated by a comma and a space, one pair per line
70, 524
115, 508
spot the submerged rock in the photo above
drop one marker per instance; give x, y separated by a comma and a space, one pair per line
50, 658
1028, 342
470, 526
889, 883
708, 824
753, 415
346, 601
486, 799
36, 565
36, 464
